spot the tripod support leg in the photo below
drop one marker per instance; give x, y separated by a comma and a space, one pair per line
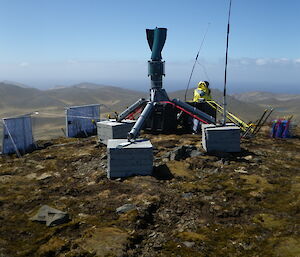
134, 132
130, 109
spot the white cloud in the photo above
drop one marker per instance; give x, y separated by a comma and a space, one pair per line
72, 62
281, 60
261, 61
244, 62
271, 62
297, 60
24, 64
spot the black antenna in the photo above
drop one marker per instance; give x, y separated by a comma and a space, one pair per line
225, 77
188, 85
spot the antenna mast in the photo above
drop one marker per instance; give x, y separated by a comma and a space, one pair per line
225, 76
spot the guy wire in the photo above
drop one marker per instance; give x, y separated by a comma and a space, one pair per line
188, 85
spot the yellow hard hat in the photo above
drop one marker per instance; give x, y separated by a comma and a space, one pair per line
203, 83
200, 83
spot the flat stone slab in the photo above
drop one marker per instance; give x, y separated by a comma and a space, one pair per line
127, 159
50, 216
125, 208
221, 138
111, 129
138, 144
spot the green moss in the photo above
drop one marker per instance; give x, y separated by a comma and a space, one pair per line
172, 248
269, 221
180, 169
191, 236
53, 246
256, 184
105, 241
193, 187
288, 247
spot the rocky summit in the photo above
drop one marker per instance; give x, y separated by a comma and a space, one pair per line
195, 204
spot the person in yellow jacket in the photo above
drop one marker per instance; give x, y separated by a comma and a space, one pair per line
202, 92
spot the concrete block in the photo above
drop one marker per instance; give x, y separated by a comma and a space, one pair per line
133, 159
221, 138
111, 129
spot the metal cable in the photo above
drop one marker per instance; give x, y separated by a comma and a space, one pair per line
204, 70
189, 81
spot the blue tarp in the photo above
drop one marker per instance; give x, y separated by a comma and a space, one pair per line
281, 129
81, 121
17, 134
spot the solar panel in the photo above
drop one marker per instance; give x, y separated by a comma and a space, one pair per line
17, 135
81, 121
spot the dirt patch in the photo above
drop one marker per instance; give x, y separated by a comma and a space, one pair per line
107, 241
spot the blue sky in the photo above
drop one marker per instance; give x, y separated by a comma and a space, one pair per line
59, 42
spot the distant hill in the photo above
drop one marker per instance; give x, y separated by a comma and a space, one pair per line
16, 100
244, 110
14, 83
258, 96
81, 85
284, 104
16, 97
19, 99
86, 93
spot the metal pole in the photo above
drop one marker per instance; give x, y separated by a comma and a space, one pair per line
140, 122
130, 109
264, 121
209, 119
260, 120
225, 76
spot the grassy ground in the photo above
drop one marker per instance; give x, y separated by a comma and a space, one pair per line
246, 204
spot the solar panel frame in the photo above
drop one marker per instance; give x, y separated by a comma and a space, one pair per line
17, 135
81, 121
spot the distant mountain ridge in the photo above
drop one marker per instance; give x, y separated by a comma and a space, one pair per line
246, 111
258, 96
81, 85
14, 83
17, 100
285, 105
